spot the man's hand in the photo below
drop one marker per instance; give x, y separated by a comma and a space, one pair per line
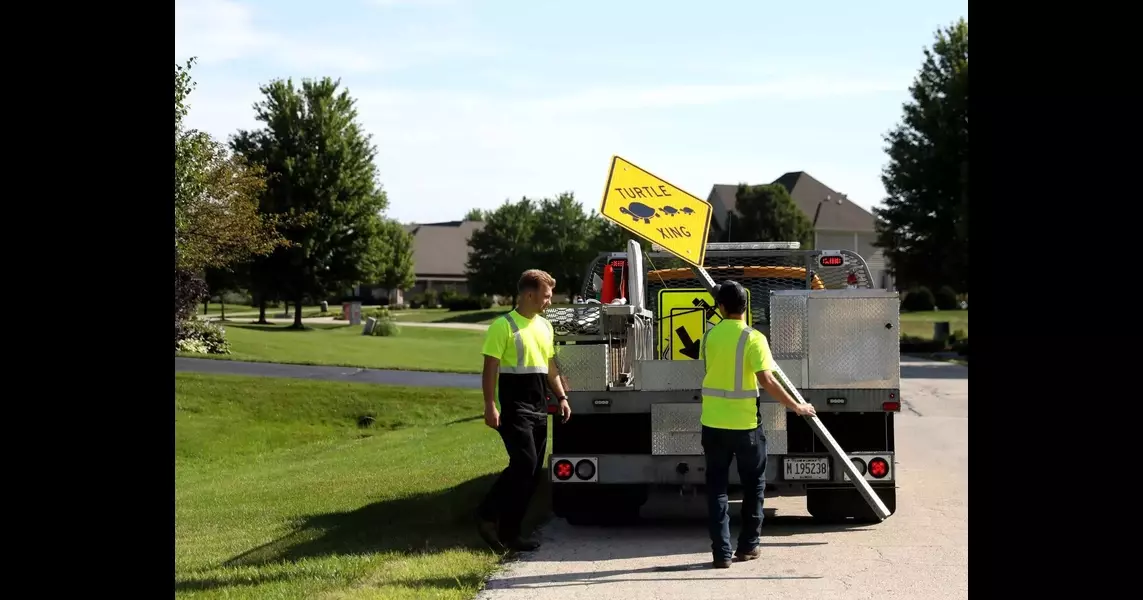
805, 410
492, 417
565, 410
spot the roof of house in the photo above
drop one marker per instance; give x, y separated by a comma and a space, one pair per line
441, 248
839, 214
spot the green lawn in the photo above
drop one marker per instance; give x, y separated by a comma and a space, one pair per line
920, 324
444, 315
416, 348
279, 493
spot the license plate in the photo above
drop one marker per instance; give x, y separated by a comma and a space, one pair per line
807, 468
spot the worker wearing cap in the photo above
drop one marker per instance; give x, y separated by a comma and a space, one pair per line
519, 362
738, 361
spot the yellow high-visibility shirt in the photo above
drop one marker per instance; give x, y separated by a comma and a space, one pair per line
734, 353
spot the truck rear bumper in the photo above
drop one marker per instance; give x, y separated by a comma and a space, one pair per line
783, 470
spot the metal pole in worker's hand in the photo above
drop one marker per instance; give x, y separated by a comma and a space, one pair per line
839, 455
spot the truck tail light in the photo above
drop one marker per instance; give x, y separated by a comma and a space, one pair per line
585, 469
891, 406
563, 470
879, 467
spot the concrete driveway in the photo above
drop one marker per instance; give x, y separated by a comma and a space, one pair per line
921, 552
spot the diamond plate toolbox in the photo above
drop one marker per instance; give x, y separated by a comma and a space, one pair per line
788, 316
585, 366
676, 428
854, 340
669, 375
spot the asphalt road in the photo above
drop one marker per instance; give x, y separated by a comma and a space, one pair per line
921, 552
354, 374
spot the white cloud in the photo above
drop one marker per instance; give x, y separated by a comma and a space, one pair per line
220, 31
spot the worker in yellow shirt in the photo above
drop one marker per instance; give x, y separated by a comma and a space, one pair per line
519, 361
738, 361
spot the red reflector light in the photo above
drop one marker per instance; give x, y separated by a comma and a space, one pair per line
878, 467
563, 470
892, 395
891, 406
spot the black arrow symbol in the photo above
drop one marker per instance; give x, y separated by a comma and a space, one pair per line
690, 347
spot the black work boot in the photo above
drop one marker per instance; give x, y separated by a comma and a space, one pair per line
754, 554
721, 563
487, 530
522, 544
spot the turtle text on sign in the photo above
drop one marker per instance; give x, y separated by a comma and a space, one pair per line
656, 211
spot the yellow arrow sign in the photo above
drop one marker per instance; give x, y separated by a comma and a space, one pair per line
684, 315
657, 211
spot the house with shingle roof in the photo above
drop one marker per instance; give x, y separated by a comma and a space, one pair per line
839, 224
440, 251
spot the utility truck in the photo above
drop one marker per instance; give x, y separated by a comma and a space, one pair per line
631, 360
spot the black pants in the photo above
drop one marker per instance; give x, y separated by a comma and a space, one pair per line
525, 438
749, 448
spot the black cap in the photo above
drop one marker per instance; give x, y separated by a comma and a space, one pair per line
731, 295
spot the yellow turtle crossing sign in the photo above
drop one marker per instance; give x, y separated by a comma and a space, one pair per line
657, 211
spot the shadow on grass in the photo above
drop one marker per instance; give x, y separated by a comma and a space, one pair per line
283, 327
474, 317
419, 524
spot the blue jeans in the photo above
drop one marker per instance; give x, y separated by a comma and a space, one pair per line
749, 448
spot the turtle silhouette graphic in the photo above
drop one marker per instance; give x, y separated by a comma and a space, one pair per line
688, 211
669, 210
639, 211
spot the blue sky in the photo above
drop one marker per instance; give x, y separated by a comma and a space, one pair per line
472, 102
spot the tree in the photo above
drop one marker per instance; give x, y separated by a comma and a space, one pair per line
476, 214
923, 227
217, 223
503, 249
399, 271
563, 242
321, 168
766, 213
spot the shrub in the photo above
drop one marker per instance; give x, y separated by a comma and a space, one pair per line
910, 344
386, 327
918, 299
946, 298
961, 347
958, 335
468, 303
202, 337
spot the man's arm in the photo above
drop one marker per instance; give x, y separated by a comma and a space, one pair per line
495, 342
555, 380
761, 361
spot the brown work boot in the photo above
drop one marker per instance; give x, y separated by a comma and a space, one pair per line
721, 563
754, 554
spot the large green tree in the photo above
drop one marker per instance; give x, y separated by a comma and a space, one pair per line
924, 224
563, 243
217, 222
321, 168
399, 271
503, 249
766, 213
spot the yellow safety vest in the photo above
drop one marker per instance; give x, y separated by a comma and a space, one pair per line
523, 346
733, 352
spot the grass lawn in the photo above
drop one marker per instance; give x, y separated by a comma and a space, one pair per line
416, 348
444, 315
279, 493
920, 324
